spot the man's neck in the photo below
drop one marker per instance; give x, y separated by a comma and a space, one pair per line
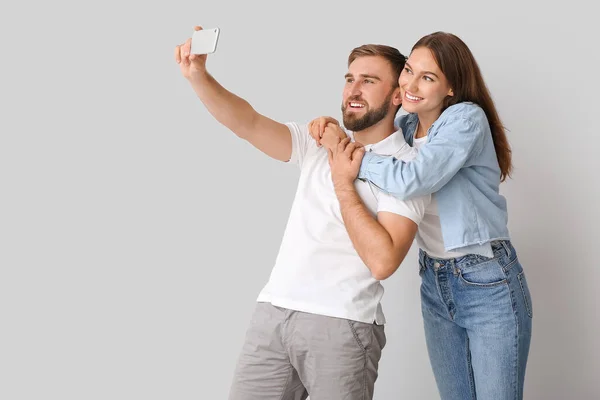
375, 133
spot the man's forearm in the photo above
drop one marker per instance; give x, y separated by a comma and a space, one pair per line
230, 110
267, 135
371, 240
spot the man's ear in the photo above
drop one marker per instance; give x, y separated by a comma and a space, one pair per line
397, 97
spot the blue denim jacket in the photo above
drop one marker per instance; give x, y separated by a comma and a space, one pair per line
458, 163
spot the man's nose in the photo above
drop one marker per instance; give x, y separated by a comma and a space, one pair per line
355, 90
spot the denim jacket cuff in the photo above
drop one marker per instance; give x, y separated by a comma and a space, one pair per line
363, 173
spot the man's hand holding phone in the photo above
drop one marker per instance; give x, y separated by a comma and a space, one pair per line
191, 64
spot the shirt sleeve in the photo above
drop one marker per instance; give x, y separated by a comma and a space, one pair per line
301, 140
457, 140
413, 209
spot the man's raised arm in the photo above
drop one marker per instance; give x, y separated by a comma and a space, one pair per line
269, 136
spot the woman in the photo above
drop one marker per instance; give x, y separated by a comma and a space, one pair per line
475, 299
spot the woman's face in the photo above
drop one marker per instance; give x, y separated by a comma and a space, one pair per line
423, 86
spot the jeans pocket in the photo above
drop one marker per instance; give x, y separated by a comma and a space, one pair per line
526, 293
486, 274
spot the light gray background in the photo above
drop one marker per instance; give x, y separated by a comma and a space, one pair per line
136, 232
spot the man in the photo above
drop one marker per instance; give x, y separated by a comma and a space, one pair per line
318, 325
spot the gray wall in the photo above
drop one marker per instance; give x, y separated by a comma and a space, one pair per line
136, 232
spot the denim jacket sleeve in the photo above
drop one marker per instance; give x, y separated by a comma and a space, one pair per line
453, 142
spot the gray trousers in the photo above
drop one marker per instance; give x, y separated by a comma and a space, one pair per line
288, 355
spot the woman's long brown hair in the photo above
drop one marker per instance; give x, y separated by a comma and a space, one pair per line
464, 77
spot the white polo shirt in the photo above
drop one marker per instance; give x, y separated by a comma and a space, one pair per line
317, 269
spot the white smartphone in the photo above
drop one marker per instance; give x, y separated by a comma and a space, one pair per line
205, 41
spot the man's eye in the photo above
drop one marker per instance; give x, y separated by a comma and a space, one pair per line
368, 81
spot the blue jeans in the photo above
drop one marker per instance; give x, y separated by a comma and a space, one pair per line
477, 314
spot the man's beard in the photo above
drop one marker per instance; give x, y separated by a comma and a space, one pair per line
371, 117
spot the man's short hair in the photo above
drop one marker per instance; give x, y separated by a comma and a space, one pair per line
391, 54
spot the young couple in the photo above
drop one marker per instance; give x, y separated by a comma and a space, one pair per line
363, 196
